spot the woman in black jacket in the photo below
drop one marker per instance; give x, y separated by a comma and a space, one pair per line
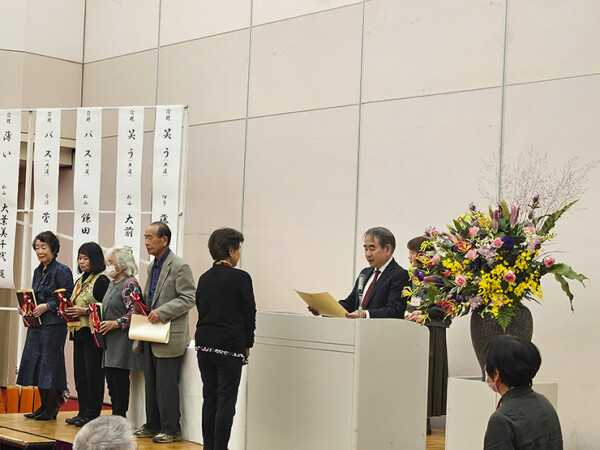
224, 334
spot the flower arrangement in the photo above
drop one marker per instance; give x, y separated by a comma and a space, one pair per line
489, 262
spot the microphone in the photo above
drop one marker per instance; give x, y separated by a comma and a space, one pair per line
361, 283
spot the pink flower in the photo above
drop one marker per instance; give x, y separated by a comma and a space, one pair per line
435, 260
548, 261
497, 243
495, 219
510, 276
471, 254
514, 215
460, 280
530, 230
473, 231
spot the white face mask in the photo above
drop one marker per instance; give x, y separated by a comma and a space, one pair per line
111, 272
491, 383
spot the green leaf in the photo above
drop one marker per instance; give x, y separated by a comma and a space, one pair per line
505, 210
566, 271
564, 284
552, 218
505, 315
459, 227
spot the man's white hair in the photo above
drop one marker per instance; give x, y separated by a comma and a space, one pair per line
106, 433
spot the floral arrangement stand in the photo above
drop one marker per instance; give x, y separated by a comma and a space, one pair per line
488, 264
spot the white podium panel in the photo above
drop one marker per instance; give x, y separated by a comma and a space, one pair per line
471, 403
323, 383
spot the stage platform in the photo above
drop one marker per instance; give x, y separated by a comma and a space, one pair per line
17, 431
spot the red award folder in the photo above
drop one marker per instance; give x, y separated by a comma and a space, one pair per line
95, 325
62, 303
27, 303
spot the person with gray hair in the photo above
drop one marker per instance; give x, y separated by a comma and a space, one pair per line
117, 307
383, 281
106, 433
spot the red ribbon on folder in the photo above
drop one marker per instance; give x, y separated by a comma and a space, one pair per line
137, 301
28, 307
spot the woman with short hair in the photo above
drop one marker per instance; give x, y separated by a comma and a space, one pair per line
87, 355
224, 334
43, 360
117, 308
523, 419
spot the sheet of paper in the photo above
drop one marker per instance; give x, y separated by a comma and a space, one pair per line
324, 303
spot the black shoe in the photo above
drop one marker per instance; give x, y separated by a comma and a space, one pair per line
72, 420
428, 426
82, 421
33, 415
47, 415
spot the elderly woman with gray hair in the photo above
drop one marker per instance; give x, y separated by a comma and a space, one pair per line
117, 307
106, 433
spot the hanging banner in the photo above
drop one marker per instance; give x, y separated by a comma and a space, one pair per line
86, 178
166, 167
10, 148
46, 158
128, 205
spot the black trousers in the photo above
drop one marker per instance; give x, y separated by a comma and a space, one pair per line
221, 380
162, 392
89, 374
118, 389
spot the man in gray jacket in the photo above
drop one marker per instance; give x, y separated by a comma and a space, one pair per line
169, 295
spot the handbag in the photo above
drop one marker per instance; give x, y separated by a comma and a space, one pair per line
141, 329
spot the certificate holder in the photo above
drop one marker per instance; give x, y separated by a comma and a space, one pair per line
142, 329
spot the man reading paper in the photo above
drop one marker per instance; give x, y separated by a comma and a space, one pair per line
382, 282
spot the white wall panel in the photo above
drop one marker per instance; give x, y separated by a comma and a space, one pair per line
55, 28
559, 118
12, 23
52, 29
184, 20
208, 74
306, 63
115, 28
266, 11
11, 80
299, 208
415, 48
125, 81
552, 39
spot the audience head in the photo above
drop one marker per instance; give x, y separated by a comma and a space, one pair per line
414, 248
379, 246
157, 238
121, 257
224, 244
91, 258
512, 360
106, 433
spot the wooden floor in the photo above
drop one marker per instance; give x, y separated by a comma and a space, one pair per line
436, 440
58, 430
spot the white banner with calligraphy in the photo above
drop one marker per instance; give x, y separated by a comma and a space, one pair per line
128, 205
86, 178
46, 156
166, 167
10, 148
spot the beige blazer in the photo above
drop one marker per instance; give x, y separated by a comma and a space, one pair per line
174, 296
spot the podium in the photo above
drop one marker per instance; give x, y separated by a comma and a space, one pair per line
327, 384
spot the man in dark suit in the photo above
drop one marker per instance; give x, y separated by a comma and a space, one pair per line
169, 295
384, 280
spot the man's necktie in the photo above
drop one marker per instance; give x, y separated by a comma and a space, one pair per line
366, 297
